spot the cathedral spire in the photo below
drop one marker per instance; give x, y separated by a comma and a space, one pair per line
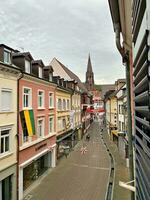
89, 76
89, 65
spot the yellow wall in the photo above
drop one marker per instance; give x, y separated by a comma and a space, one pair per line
114, 111
76, 106
63, 114
111, 111
9, 118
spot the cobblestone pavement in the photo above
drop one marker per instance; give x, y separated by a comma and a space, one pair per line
80, 176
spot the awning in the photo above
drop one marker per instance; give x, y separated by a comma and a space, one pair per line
27, 120
65, 136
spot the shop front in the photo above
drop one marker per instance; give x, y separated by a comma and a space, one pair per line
34, 170
34, 162
8, 183
63, 141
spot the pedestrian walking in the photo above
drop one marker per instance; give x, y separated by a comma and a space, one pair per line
66, 151
87, 137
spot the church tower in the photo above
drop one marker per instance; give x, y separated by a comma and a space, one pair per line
89, 76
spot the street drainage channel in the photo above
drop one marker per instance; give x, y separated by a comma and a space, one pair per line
109, 192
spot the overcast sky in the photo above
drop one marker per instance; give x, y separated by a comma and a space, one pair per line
65, 29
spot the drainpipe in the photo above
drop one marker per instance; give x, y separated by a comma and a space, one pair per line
126, 62
19, 78
117, 34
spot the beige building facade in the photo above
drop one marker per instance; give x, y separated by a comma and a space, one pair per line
8, 131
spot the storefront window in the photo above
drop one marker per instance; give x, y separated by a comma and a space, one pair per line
6, 185
34, 170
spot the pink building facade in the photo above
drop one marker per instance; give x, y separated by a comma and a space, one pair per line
37, 130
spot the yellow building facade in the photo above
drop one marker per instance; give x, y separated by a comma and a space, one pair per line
63, 122
76, 110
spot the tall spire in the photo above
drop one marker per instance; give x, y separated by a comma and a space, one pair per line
89, 65
89, 76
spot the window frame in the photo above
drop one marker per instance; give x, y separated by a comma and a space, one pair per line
52, 99
9, 128
43, 99
40, 75
8, 53
43, 128
63, 123
68, 104
64, 104
51, 132
59, 106
11, 105
30, 98
25, 67
50, 77
59, 124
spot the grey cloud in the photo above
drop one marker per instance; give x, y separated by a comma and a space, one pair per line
65, 29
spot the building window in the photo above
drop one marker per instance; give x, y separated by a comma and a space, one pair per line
27, 67
59, 124
4, 140
6, 100
27, 98
50, 77
64, 124
7, 57
59, 104
64, 104
40, 72
25, 131
40, 99
51, 125
6, 188
68, 106
51, 100
40, 127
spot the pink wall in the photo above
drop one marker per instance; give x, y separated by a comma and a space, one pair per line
36, 149
45, 113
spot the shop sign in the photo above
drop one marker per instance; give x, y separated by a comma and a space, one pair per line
40, 147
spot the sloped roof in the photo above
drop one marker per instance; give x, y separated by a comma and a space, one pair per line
24, 54
104, 88
109, 93
7, 47
49, 67
71, 75
39, 62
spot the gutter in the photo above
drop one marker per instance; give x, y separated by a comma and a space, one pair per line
21, 75
118, 43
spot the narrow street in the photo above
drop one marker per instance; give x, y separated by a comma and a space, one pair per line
80, 176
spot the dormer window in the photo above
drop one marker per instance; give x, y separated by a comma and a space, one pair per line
40, 72
50, 77
7, 56
27, 67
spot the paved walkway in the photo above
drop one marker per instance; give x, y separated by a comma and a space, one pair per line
121, 171
79, 177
